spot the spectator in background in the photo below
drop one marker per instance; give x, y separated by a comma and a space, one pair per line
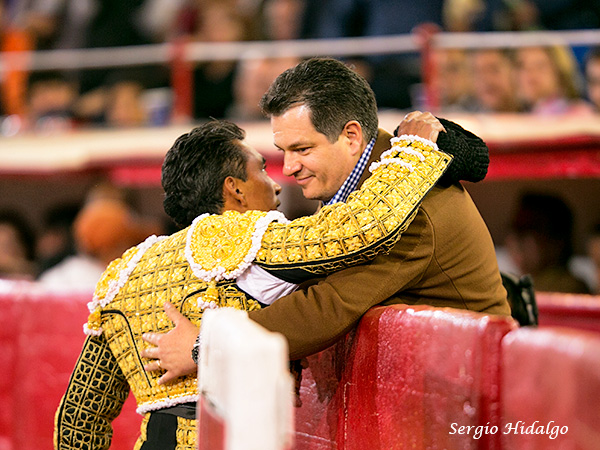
124, 105
119, 102
474, 15
55, 241
51, 98
104, 228
213, 80
549, 81
454, 83
494, 80
276, 20
592, 76
117, 23
17, 247
391, 76
587, 266
540, 243
13, 83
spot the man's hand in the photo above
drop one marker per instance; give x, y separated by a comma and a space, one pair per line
422, 124
173, 350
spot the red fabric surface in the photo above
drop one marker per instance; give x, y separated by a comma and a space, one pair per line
569, 310
565, 163
416, 371
551, 377
410, 374
322, 397
41, 336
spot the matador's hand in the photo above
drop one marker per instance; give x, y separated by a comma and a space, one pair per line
422, 124
172, 351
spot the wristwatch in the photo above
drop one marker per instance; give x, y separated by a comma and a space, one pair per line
196, 349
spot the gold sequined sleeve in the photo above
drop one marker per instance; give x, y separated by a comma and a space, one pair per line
370, 222
95, 395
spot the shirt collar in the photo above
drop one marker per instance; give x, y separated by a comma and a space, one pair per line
351, 182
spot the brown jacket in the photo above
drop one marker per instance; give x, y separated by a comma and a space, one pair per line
445, 258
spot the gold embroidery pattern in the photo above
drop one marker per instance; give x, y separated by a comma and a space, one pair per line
94, 397
186, 434
162, 274
221, 246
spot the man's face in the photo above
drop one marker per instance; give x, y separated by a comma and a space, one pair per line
319, 166
260, 190
592, 74
494, 80
538, 79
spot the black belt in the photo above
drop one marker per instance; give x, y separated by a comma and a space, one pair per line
185, 410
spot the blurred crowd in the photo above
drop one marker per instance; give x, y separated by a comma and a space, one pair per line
75, 242
543, 80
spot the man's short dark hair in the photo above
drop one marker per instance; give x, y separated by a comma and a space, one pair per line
334, 93
195, 169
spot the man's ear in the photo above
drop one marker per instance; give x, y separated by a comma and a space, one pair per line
233, 194
354, 133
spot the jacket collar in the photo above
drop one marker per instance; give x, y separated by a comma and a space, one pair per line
381, 145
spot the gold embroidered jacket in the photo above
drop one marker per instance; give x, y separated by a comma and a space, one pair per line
196, 268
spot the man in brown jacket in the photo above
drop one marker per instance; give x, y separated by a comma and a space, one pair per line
324, 120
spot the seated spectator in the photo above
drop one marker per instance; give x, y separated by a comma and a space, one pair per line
540, 243
55, 241
124, 105
253, 78
104, 228
17, 247
592, 76
523, 15
213, 80
587, 266
50, 101
454, 83
277, 20
119, 103
494, 80
549, 81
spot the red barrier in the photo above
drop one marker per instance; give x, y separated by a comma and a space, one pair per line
569, 310
41, 336
322, 397
413, 377
551, 386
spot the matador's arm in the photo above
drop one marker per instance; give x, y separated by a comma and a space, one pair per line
94, 397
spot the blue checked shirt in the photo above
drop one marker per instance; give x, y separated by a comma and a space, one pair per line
351, 182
